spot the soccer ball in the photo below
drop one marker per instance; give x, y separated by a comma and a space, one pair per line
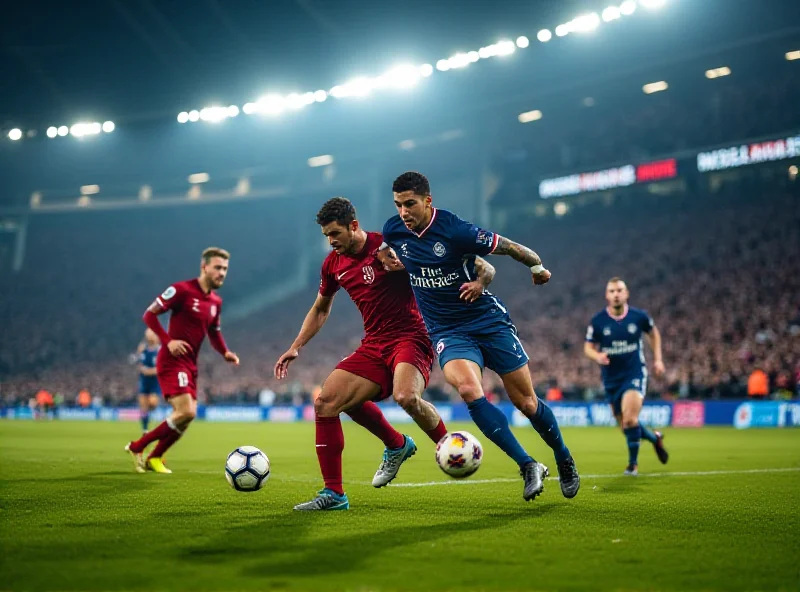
247, 469
459, 454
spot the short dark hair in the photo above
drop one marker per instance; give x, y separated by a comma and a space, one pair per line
412, 181
336, 209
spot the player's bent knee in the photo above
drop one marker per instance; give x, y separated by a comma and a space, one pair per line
629, 421
470, 392
406, 399
326, 405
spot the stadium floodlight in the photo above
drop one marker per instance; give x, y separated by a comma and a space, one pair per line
214, 114
628, 7
63, 130
718, 72
294, 101
560, 208
443, 65
90, 189
84, 201
562, 30
320, 96
544, 35
15, 134
52, 132
270, 105
233, 110
460, 60
108, 126
611, 13
487, 52
473, 56
529, 116
425, 70
523, 42
249, 108
653, 4
654, 87
506, 47
194, 115
197, 178
793, 55
404, 76
183, 117
145, 193
82, 129
320, 161
584, 23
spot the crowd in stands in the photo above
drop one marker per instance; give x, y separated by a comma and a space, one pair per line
718, 272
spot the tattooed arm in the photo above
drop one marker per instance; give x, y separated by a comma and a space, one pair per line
524, 255
471, 291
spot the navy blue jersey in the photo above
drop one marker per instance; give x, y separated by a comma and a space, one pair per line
621, 339
147, 357
439, 259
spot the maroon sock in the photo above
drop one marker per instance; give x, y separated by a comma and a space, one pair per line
160, 431
370, 416
437, 433
330, 444
165, 444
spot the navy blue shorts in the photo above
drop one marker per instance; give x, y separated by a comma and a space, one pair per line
148, 385
615, 392
494, 346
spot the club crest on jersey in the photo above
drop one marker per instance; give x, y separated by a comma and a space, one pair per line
606, 331
439, 250
404, 249
440, 347
631, 328
213, 310
369, 274
168, 293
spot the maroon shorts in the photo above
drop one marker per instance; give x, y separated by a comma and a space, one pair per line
177, 378
377, 361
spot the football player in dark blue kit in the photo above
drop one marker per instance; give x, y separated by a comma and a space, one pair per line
614, 340
149, 389
469, 327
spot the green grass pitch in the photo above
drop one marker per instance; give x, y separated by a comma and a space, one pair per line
724, 514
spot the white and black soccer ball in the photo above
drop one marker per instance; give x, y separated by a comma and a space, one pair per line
459, 454
247, 469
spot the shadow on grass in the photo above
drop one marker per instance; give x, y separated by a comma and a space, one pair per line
285, 547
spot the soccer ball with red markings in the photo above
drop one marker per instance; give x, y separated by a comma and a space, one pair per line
459, 454
247, 469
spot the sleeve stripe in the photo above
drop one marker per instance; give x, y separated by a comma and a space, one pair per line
160, 303
495, 240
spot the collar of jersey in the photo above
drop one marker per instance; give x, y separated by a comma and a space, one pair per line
424, 230
619, 318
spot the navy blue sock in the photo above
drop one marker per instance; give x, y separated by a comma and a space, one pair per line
648, 435
633, 436
494, 425
544, 422
145, 420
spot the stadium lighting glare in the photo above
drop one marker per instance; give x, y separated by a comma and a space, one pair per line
320, 96
523, 42
183, 117
320, 161
718, 72
473, 56
584, 23
233, 110
82, 129
270, 105
506, 47
197, 178
544, 35
214, 114
407, 145
402, 76
294, 101
425, 70
562, 30
487, 52
194, 115
63, 130
655, 87
84, 201
52, 132
460, 60
653, 4
793, 55
529, 116
611, 13
560, 208
15, 134
145, 193
108, 126
628, 7
90, 189
249, 108
443, 65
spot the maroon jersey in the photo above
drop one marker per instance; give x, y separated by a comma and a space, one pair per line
384, 298
194, 314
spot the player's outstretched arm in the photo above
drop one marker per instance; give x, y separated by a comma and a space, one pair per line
654, 339
315, 319
524, 255
471, 291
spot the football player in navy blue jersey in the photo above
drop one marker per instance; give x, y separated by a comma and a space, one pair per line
471, 330
614, 340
